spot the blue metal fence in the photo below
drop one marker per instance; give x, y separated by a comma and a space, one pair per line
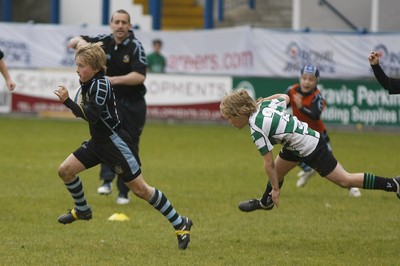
55, 11
155, 7
6, 10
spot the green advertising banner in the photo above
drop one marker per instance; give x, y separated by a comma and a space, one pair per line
349, 102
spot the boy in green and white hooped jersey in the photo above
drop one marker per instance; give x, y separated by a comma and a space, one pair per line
270, 124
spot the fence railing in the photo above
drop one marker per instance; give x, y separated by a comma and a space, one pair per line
341, 16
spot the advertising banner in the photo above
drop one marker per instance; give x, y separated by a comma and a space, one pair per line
238, 51
185, 96
168, 96
5, 98
359, 102
197, 97
349, 102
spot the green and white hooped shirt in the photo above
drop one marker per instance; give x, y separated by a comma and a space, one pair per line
271, 125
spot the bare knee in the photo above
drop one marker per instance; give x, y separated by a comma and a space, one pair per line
344, 179
143, 192
65, 172
140, 188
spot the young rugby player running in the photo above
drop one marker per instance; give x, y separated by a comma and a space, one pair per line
109, 144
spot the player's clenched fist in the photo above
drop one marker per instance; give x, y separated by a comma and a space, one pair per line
62, 93
373, 58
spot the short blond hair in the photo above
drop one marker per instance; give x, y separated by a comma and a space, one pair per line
237, 103
93, 55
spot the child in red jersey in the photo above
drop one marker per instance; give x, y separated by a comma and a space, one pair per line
307, 105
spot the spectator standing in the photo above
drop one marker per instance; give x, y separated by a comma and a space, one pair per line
156, 62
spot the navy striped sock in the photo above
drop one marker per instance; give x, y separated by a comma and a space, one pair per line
162, 204
76, 190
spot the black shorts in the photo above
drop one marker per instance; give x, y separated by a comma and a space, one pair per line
321, 159
118, 153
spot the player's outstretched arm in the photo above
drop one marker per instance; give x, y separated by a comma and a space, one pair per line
76, 42
270, 169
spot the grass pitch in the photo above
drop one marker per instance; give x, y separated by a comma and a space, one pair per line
205, 171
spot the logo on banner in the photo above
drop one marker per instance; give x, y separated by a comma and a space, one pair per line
247, 86
389, 60
299, 56
68, 60
16, 53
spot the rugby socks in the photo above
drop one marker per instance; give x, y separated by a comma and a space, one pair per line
268, 191
372, 181
162, 204
76, 190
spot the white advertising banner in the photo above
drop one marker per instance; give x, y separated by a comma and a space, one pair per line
35, 89
5, 99
168, 96
40, 45
239, 51
187, 97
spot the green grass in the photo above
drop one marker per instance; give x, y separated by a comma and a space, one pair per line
204, 171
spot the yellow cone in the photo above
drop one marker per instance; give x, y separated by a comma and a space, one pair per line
118, 217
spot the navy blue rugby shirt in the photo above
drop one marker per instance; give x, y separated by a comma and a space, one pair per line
97, 107
128, 56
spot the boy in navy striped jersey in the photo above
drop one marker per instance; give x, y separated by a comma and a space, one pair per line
109, 144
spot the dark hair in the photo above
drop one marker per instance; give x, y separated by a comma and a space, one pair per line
157, 41
121, 11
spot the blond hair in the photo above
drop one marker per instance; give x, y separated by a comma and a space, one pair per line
93, 55
237, 103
